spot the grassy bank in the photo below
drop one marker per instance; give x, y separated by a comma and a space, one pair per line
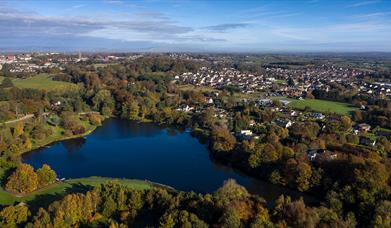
58, 135
59, 189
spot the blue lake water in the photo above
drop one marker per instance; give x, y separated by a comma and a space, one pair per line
127, 149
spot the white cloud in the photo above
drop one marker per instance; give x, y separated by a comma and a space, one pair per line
363, 3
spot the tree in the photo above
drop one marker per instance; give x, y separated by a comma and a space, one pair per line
6, 83
95, 119
382, 217
42, 219
291, 82
11, 216
346, 122
229, 192
222, 140
22, 180
46, 176
167, 221
28, 144
303, 179
18, 129
230, 219
275, 177
103, 102
208, 118
296, 214
371, 182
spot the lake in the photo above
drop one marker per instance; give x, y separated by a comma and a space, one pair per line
128, 149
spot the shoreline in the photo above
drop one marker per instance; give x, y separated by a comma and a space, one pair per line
237, 169
36, 147
59, 187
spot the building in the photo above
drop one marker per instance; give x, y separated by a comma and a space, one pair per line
246, 132
317, 115
363, 127
284, 123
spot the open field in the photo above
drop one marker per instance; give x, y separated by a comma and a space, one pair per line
320, 105
43, 81
103, 65
189, 87
57, 190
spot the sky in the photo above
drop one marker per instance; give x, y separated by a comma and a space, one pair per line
196, 25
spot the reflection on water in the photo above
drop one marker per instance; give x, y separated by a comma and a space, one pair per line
73, 145
127, 149
125, 129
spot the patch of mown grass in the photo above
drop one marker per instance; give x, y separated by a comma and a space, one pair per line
320, 105
44, 82
201, 89
59, 189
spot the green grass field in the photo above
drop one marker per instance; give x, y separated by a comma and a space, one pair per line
57, 190
44, 81
320, 105
103, 65
280, 82
201, 89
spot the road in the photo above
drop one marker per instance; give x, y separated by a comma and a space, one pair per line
26, 117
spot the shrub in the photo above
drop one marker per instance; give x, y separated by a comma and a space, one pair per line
95, 119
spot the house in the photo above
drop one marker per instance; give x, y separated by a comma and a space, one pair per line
264, 102
322, 154
284, 123
363, 127
317, 115
186, 108
314, 154
294, 113
285, 102
246, 132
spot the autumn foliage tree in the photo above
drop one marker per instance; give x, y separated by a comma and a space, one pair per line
12, 216
22, 180
222, 139
46, 176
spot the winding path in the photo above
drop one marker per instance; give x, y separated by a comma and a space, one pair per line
29, 116
26, 117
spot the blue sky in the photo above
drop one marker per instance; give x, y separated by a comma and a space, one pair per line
186, 25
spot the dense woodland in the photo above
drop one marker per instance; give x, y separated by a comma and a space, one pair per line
353, 189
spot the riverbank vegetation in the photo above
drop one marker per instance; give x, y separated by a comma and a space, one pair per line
116, 205
320, 155
25, 180
57, 190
